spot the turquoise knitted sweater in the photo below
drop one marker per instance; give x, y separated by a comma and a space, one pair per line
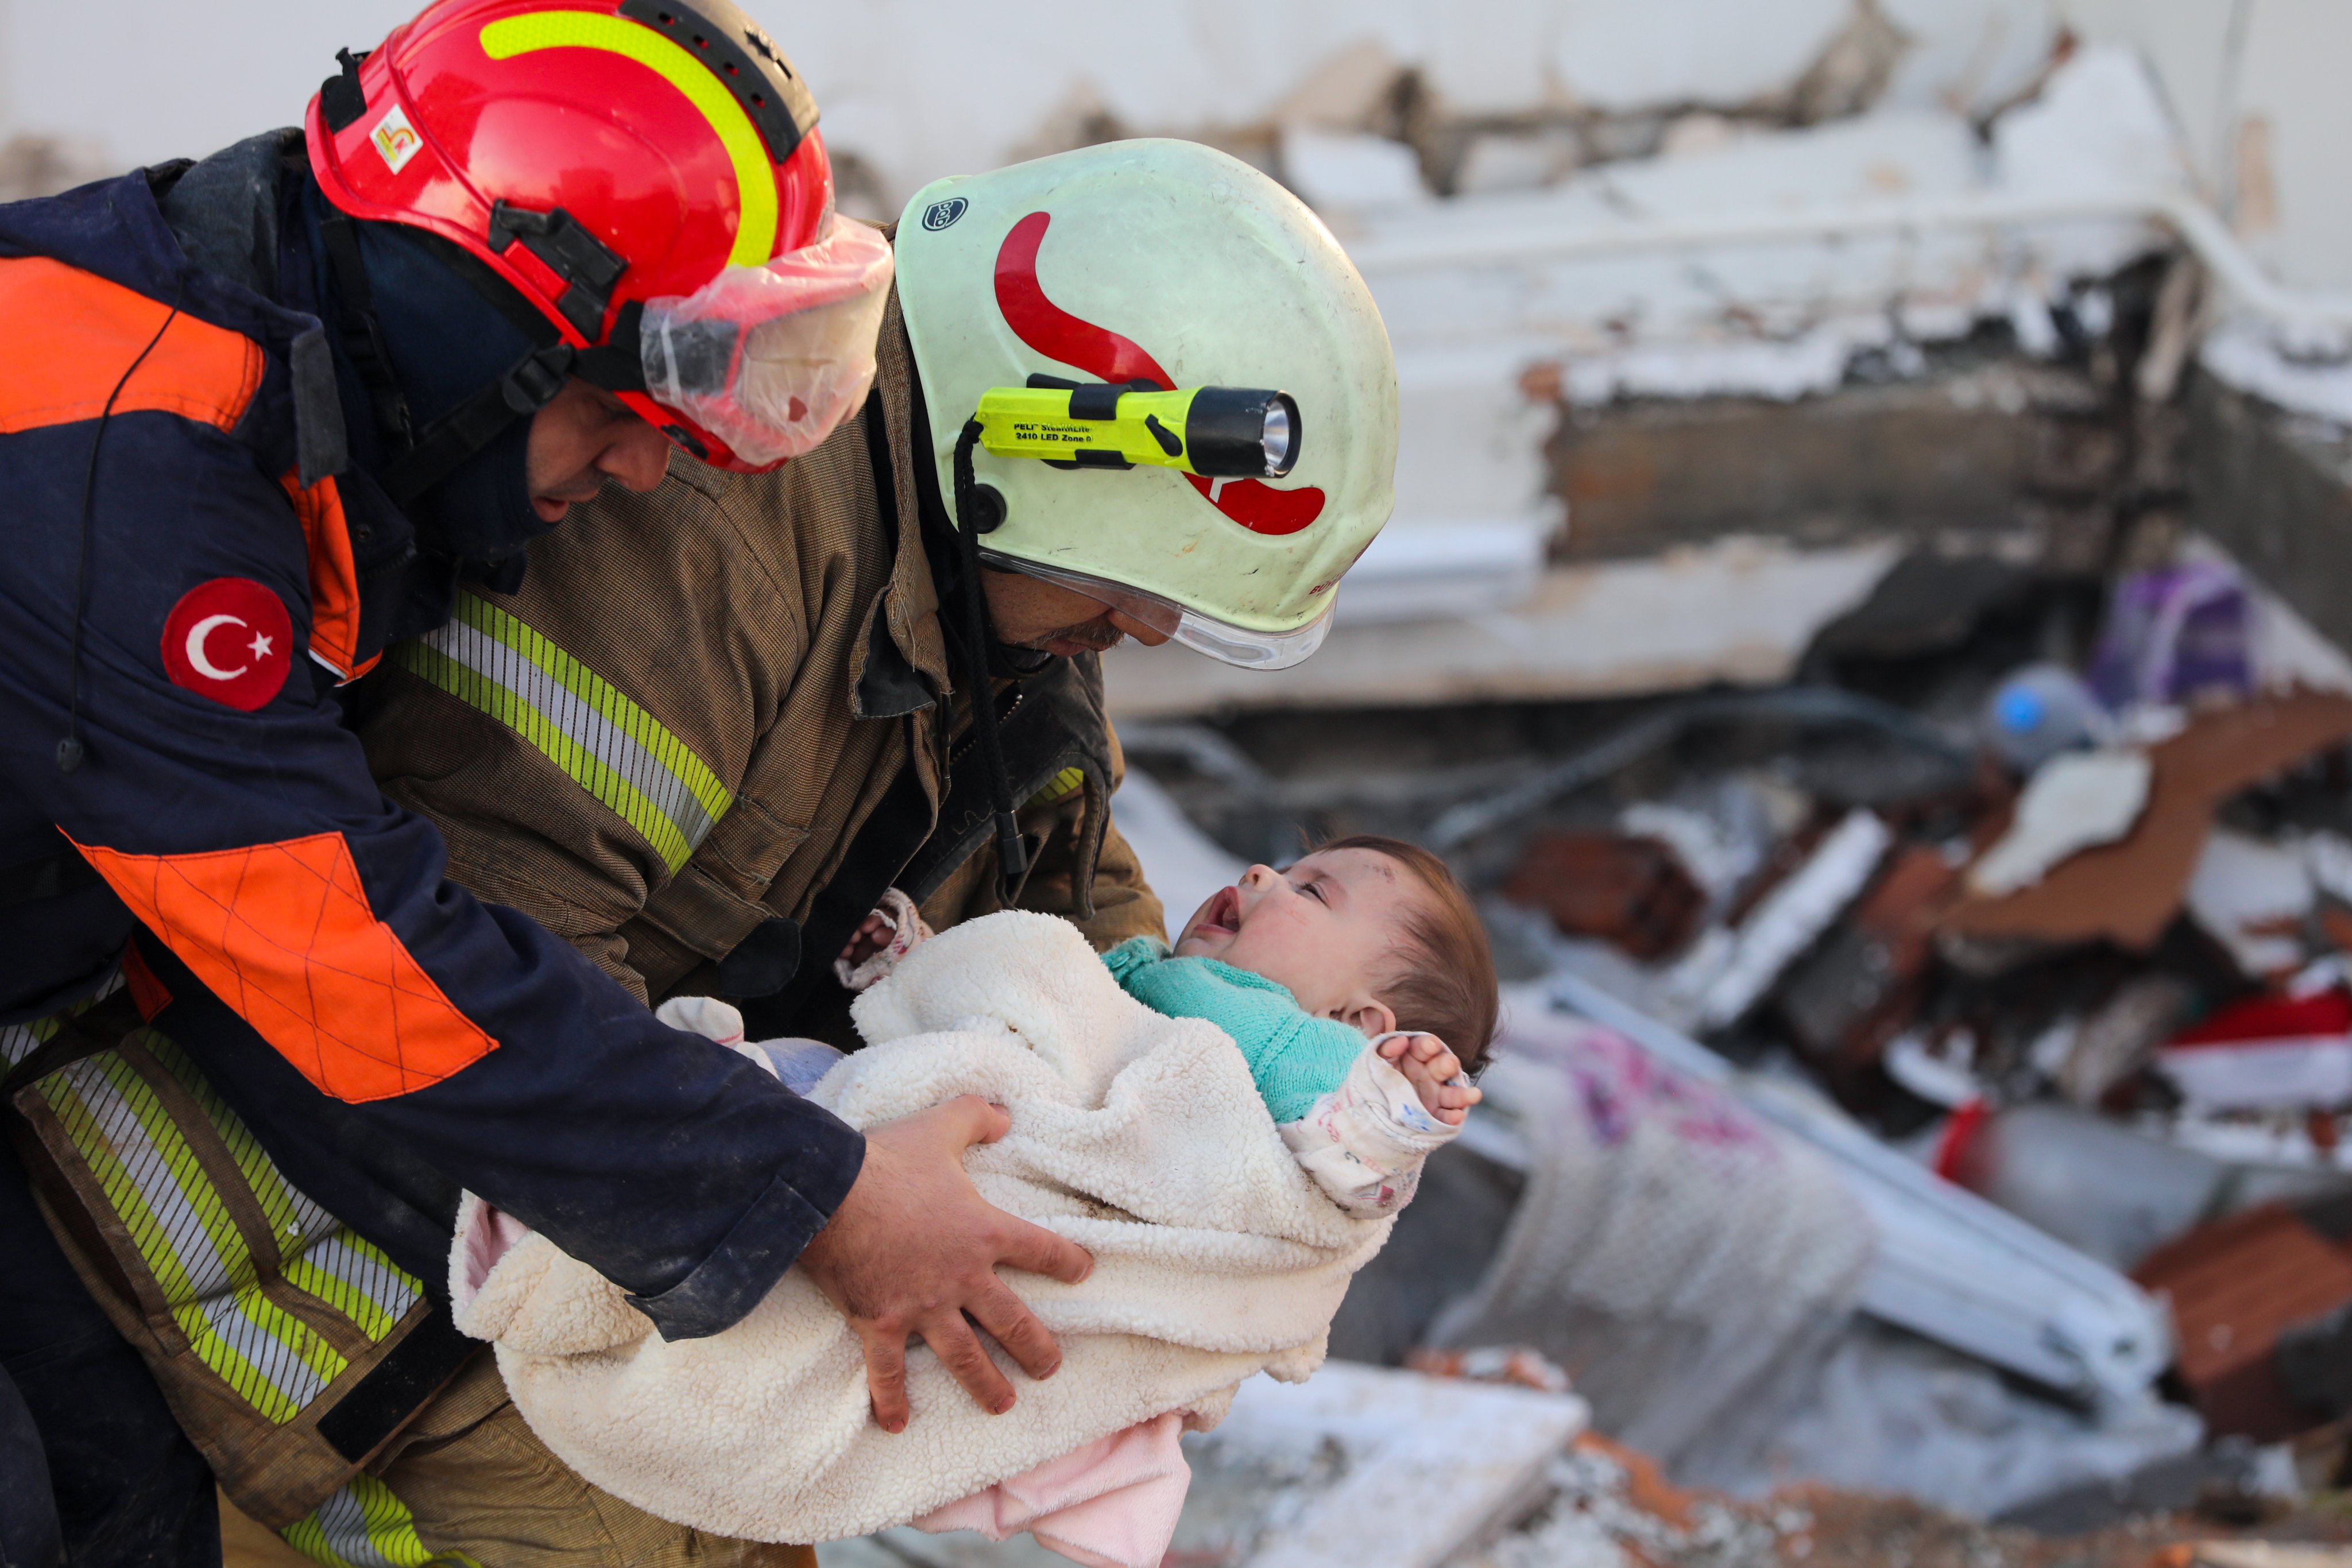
1295, 1056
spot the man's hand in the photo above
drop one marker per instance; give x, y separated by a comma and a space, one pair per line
913, 1249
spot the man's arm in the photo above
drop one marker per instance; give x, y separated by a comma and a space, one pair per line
256, 849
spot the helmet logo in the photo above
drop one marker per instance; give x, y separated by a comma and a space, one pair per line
1102, 353
941, 214
395, 139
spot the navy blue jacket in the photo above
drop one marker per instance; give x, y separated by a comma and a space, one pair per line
389, 1037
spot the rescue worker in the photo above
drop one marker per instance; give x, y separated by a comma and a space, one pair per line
716, 722
701, 742
263, 416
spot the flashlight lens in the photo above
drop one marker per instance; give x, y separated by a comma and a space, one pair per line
1277, 439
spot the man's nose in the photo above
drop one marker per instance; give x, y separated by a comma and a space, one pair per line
637, 456
1149, 636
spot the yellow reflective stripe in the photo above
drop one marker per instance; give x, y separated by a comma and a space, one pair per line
609, 745
356, 1280
320, 1255
365, 1526
276, 1334
1063, 785
170, 1231
755, 180
293, 1218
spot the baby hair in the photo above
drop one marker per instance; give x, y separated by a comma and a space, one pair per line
1448, 988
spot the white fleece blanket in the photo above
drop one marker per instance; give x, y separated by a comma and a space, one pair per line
1140, 1137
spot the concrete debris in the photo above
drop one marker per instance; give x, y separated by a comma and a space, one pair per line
2075, 801
2236, 1286
2110, 1192
1633, 891
1792, 918
1844, 1003
2121, 1037
1359, 1437
2128, 891
2252, 897
1739, 612
1948, 1265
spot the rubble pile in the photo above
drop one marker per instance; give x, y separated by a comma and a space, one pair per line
1932, 1078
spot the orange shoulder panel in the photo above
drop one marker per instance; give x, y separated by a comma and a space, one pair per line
284, 934
71, 334
335, 581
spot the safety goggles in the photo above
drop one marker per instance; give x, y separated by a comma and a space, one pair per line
771, 358
1220, 640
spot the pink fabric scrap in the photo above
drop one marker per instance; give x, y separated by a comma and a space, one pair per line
1110, 1504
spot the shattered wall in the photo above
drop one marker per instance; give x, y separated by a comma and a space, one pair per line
2257, 88
916, 89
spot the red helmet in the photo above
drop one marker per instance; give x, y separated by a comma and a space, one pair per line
597, 156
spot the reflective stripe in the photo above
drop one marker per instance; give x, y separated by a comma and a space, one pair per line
755, 180
321, 1256
186, 1237
182, 1231
1063, 785
607, 743
364, 1526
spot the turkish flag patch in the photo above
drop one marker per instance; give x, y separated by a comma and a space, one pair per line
229, 639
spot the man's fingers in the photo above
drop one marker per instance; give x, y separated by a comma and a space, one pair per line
1016, 1328
886, 1378
952, 1339
972, 1119
1038, 1251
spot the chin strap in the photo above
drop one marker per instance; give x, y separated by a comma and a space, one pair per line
1011, 855
419, 459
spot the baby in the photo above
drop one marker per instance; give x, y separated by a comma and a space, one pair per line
1358, 984
1353, 988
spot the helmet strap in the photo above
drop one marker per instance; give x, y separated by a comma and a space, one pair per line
362, 333
418, 460
1012, 853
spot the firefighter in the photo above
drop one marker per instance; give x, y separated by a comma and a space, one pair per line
265, 416
783, 665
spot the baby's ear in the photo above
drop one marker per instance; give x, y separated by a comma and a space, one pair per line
1369, 1018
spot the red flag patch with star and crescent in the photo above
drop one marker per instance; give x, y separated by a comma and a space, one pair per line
229, 639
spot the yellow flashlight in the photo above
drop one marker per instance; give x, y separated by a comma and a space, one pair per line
1218, 433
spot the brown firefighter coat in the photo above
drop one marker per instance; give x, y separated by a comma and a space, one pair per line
716, 720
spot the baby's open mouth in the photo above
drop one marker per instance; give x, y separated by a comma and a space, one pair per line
1222, 917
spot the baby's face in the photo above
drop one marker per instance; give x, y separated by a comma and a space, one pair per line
1328, 928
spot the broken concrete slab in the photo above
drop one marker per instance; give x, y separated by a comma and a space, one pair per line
2274, 489
2128, 892
1429, 1465
2234, 1286
1738, 611
2076, 800
1984, 451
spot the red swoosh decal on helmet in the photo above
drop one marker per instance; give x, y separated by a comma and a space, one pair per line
1054, 332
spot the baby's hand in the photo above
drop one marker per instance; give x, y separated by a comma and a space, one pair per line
1432, 1068
871, 937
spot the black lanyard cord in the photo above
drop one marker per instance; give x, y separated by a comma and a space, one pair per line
69, 749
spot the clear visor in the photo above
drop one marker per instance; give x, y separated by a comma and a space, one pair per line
771, 358
1220, 640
